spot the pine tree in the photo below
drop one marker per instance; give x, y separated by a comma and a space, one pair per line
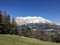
14, 28
27, 32
6, 22
1, 25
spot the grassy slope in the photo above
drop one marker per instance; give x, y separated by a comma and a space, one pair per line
16, 40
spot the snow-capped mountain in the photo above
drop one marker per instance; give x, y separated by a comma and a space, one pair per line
29, 19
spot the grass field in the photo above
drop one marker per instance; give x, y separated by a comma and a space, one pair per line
16, 40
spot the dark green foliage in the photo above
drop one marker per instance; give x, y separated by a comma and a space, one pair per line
1, 25
13, 27
6, 25
55, 38
6, 22
0, 17
27, 32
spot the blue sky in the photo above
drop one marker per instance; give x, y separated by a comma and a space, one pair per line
49, 9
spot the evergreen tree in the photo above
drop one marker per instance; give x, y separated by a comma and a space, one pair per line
6, 22
0, 17
1, 25
27, 32
14, 27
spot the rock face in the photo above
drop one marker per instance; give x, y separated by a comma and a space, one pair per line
29, 19
38, 24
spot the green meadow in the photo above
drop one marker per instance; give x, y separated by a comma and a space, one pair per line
16, 40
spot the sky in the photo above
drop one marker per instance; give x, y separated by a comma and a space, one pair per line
49, 9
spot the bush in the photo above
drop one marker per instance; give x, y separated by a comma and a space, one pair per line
56, 38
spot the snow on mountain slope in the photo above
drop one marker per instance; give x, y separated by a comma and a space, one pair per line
29, 19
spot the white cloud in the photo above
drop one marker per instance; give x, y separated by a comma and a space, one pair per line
29, 19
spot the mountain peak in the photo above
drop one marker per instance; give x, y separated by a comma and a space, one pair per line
29, 19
